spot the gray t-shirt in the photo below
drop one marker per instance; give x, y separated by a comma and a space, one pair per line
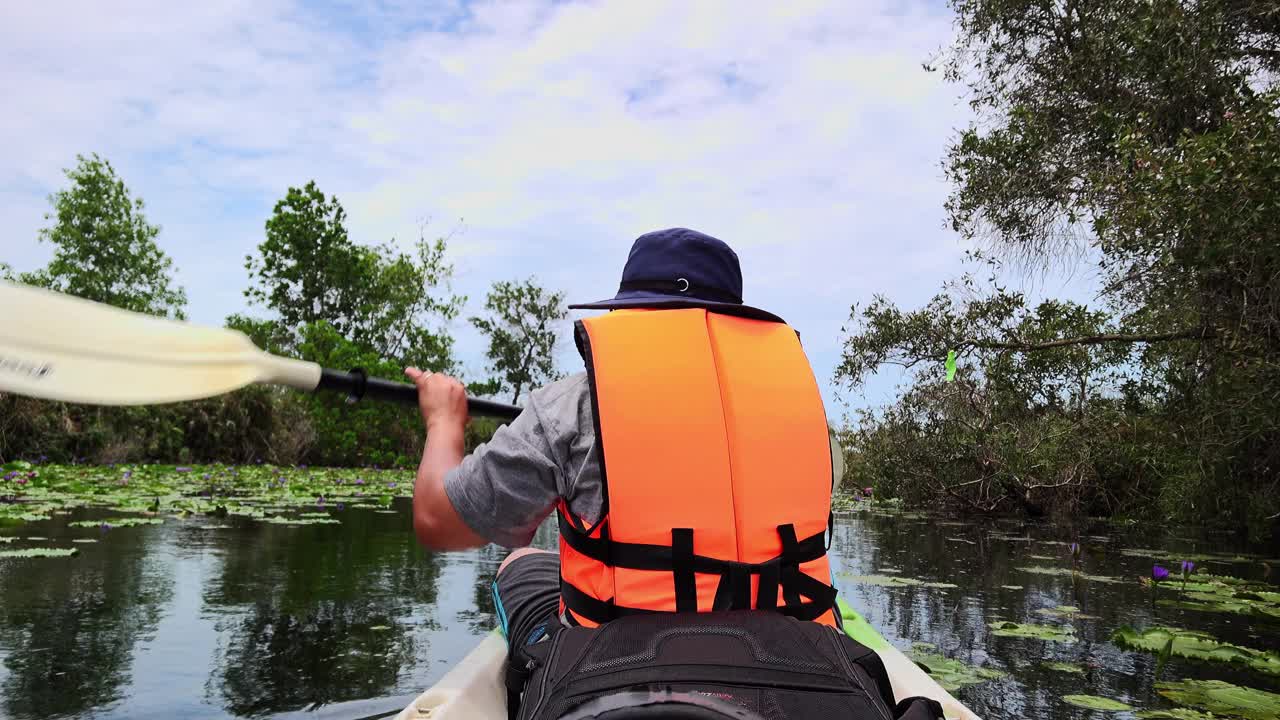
509, 485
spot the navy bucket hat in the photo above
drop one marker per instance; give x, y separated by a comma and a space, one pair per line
681, 268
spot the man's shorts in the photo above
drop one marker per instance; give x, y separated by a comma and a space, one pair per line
526, 596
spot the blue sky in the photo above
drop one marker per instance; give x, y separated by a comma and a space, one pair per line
544, 135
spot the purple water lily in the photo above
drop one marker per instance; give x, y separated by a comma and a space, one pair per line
342, 506
1075, 549
359, 481
1187, 567
391, 484
1159, 573
182, 469
320, 501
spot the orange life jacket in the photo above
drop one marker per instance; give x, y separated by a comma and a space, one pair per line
716, 467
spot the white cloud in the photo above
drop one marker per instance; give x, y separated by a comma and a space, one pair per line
804, 134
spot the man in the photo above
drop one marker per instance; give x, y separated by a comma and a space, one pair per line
689, 468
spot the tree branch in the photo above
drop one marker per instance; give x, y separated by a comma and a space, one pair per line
1192, 334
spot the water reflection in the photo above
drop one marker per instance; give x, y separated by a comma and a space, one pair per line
209, 618
69, 627
319, 614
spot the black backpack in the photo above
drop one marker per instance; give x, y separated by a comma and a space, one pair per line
744, 665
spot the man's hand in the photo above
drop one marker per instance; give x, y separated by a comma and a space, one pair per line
443, 402
441, 399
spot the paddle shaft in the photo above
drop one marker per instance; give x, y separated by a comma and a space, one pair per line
358, 385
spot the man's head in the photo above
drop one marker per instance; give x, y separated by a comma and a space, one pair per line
681, 268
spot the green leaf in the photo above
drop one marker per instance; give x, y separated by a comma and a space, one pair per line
1052, 633
1196, 646
949, 673
1093, 702
1223, 698
951, 365
39, 553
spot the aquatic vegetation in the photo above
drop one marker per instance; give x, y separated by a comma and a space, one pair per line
1223, 593
1159, 573
1220, 699
888, 581
1093, 702
1052, 633
1196, 646
38, 553
1065, 611
951, 674
254, 491
1067, 572
118, 522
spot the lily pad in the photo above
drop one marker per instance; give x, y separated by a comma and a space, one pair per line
1068, 572
38, 553
1094, 702
118, 522
1176, 714
1196, 646
1065, 611
889, 581
303, 521
1011, 587
1052, 633
951, 674
1223, 699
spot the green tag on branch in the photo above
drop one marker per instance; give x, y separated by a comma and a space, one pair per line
951, 365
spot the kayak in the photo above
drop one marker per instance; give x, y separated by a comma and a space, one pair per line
474, 689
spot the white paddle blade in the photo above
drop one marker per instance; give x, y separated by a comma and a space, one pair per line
58, 347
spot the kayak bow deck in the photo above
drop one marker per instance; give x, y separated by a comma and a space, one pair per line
474, 687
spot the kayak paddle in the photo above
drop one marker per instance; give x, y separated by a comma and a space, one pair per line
59, 347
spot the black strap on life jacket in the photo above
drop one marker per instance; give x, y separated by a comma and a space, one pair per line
805, 597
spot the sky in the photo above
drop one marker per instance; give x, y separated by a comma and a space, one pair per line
542, 137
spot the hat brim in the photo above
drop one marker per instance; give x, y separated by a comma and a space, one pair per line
638, 299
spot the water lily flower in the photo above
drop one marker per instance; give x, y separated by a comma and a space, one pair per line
1075, 549
1187, 566
867, 491
342, 506
1159, 573
21, 481
182, 469
359, 481
320, 501
391, 484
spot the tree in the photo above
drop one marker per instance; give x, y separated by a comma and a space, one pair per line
309, 271
105, 249
1143, 136
521, 331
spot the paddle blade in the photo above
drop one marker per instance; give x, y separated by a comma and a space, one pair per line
58, 347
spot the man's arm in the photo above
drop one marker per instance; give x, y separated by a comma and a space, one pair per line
443, 402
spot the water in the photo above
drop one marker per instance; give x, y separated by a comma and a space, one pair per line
211, 618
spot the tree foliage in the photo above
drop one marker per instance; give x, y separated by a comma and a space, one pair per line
104, 248
1143, 136
521, 328
308, 270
